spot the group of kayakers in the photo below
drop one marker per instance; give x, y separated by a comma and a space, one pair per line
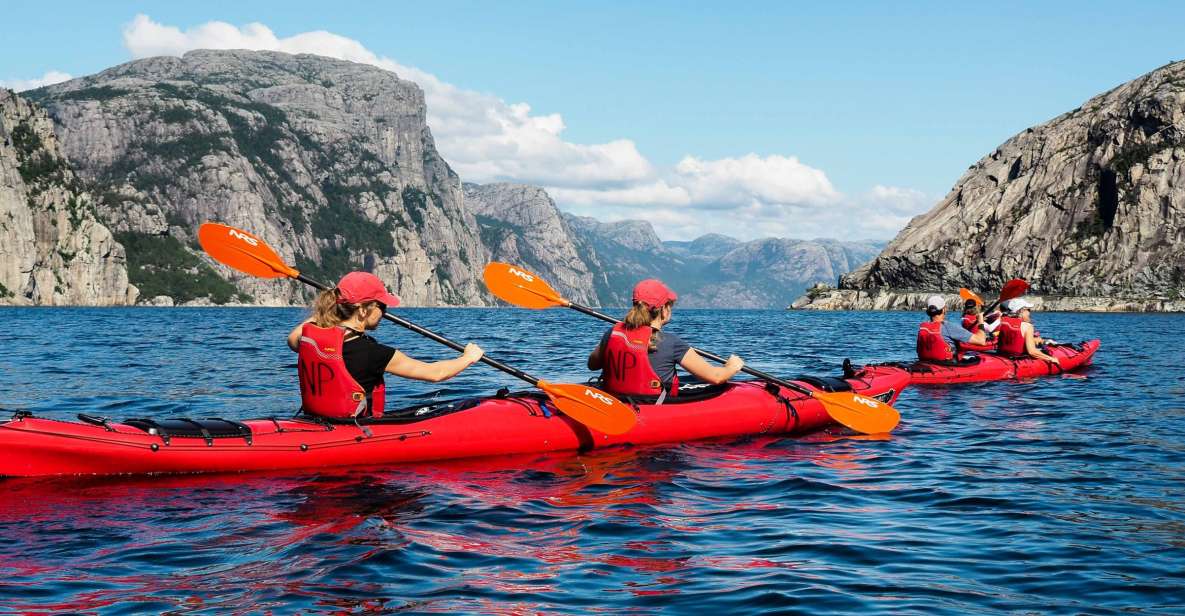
1008, 331
341, 368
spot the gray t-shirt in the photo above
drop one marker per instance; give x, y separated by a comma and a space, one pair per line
665, 358
953, 331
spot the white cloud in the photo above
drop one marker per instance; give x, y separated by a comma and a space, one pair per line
691, 206
49, 78
488, 139
483, 137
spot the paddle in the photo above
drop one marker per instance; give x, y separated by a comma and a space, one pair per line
249, 254
520, 287
968, 294
1011, 290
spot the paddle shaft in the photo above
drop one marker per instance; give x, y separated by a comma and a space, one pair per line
757, 373
431, 335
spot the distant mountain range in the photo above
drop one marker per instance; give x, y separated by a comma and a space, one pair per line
107, 177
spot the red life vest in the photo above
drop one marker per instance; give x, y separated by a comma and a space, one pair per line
971, 322
326, 387
1011, 338
626, 365
932, 346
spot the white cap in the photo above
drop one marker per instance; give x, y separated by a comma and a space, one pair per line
936, 302
1016, 305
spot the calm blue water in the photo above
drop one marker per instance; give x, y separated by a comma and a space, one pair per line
1061, 495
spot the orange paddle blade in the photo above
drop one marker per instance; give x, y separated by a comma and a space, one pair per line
591, 407
860, 413
519, 287
1013, 289
243, 251
968, 294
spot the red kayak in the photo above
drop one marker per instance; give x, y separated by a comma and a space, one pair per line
979, 367
509, 423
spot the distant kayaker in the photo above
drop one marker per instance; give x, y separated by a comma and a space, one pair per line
937, 337
341, 368
1017, 336
636, 358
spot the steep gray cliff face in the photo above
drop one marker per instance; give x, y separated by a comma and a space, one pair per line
1091, 203
520, 224
53, 251
330, 162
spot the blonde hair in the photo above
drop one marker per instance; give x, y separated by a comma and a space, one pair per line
641, 315
328, 312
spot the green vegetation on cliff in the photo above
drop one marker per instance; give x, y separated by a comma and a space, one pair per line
160, 265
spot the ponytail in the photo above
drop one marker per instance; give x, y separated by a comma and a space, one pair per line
327, 312
641, 315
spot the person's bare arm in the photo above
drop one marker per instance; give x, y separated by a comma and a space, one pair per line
698, 366
294, 335
594, 359
1031, 345
433, 372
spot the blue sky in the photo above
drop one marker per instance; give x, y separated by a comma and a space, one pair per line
852, 101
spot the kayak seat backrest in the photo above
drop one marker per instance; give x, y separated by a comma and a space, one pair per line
826, 383
179, 427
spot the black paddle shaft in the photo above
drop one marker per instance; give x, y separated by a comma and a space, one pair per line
716, 358
431, 335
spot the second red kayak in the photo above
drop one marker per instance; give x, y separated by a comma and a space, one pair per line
511, 423
992, 367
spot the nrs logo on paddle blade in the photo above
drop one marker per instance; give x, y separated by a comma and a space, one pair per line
243, 236
872, 404
599, 397
521, 274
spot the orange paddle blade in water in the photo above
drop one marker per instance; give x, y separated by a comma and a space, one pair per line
591, 407
519, 287
860, 413
243, 251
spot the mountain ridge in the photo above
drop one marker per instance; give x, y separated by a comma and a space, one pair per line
334, 165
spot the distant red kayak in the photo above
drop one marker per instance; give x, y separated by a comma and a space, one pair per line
992, 367
493, 426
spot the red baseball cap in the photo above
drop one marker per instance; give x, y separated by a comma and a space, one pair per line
653, 293
358, 287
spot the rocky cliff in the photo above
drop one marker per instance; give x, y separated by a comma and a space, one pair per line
1090, 204
520, 224
329, 161
333, 164
53, 250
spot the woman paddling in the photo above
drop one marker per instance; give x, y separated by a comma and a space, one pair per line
637, 359
341, 368
1017, 336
